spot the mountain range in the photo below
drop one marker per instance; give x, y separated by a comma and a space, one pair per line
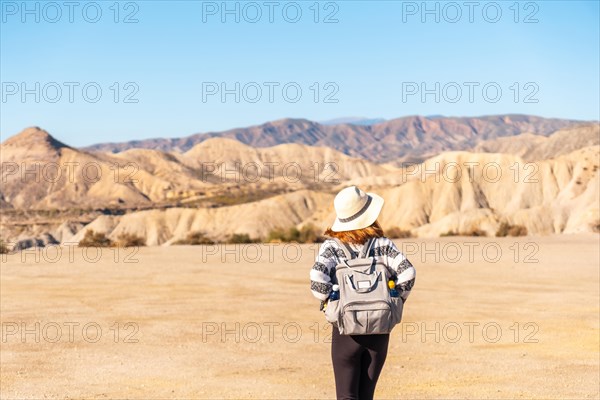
544, 178
408, 139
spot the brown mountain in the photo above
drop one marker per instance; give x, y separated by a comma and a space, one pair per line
536, 147
561, 196
408, 139
39, 172
31, 143
549, 184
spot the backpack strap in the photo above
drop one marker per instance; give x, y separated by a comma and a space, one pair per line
345, 248
348, 252
366, 249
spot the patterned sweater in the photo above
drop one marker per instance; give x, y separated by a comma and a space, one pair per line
330, 254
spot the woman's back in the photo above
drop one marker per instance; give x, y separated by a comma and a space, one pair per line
383, 249
357, 359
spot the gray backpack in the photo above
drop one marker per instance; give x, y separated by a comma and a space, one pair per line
365, 306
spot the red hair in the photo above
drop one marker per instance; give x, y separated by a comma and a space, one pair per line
357, 236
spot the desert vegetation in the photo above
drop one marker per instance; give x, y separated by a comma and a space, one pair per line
129, 240
195, 238
397, 233
506, 229
241, 238
95, 239
99, 239
3, 247
472, 232
307, 234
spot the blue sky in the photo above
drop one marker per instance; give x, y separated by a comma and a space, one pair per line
164, 75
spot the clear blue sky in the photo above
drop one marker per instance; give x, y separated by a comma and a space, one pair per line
367, 61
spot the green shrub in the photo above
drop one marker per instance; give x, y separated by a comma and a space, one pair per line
241, 238
277, 235
292, 235
308, 234
130, 240
397, 233
3, 248
518, 230
95, 239
449, 233
506, 229
195, 238
472, 232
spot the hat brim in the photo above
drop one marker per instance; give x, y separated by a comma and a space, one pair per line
364, 220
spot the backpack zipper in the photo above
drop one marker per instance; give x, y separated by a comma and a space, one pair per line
388, 306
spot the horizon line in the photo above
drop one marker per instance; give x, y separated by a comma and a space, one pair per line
321, 122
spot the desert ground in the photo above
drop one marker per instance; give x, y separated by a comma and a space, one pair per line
488, 318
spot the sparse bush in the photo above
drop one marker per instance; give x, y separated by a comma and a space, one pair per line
277, 235
241, 238
506, 229
3, 248
281, 235
449, 233
130, 240
503, 229
195, 238
308, 234
95, 239
596, 227
397, 233
518, 230
292, 235
472, 232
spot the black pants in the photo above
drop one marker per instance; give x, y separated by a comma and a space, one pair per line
357, 363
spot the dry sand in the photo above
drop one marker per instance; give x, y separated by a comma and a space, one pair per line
175, 296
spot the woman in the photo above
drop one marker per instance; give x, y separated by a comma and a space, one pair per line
357, 359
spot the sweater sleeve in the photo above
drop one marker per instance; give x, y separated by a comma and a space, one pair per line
405, 271
323, 270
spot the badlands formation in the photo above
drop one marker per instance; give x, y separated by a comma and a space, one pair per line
52, 192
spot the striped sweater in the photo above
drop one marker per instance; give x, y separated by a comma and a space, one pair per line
384, 250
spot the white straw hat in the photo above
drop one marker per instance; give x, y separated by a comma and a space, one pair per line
355, 209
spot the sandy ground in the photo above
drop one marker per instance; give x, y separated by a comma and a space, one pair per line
181, 322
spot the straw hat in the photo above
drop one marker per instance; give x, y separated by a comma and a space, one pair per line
355, 209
